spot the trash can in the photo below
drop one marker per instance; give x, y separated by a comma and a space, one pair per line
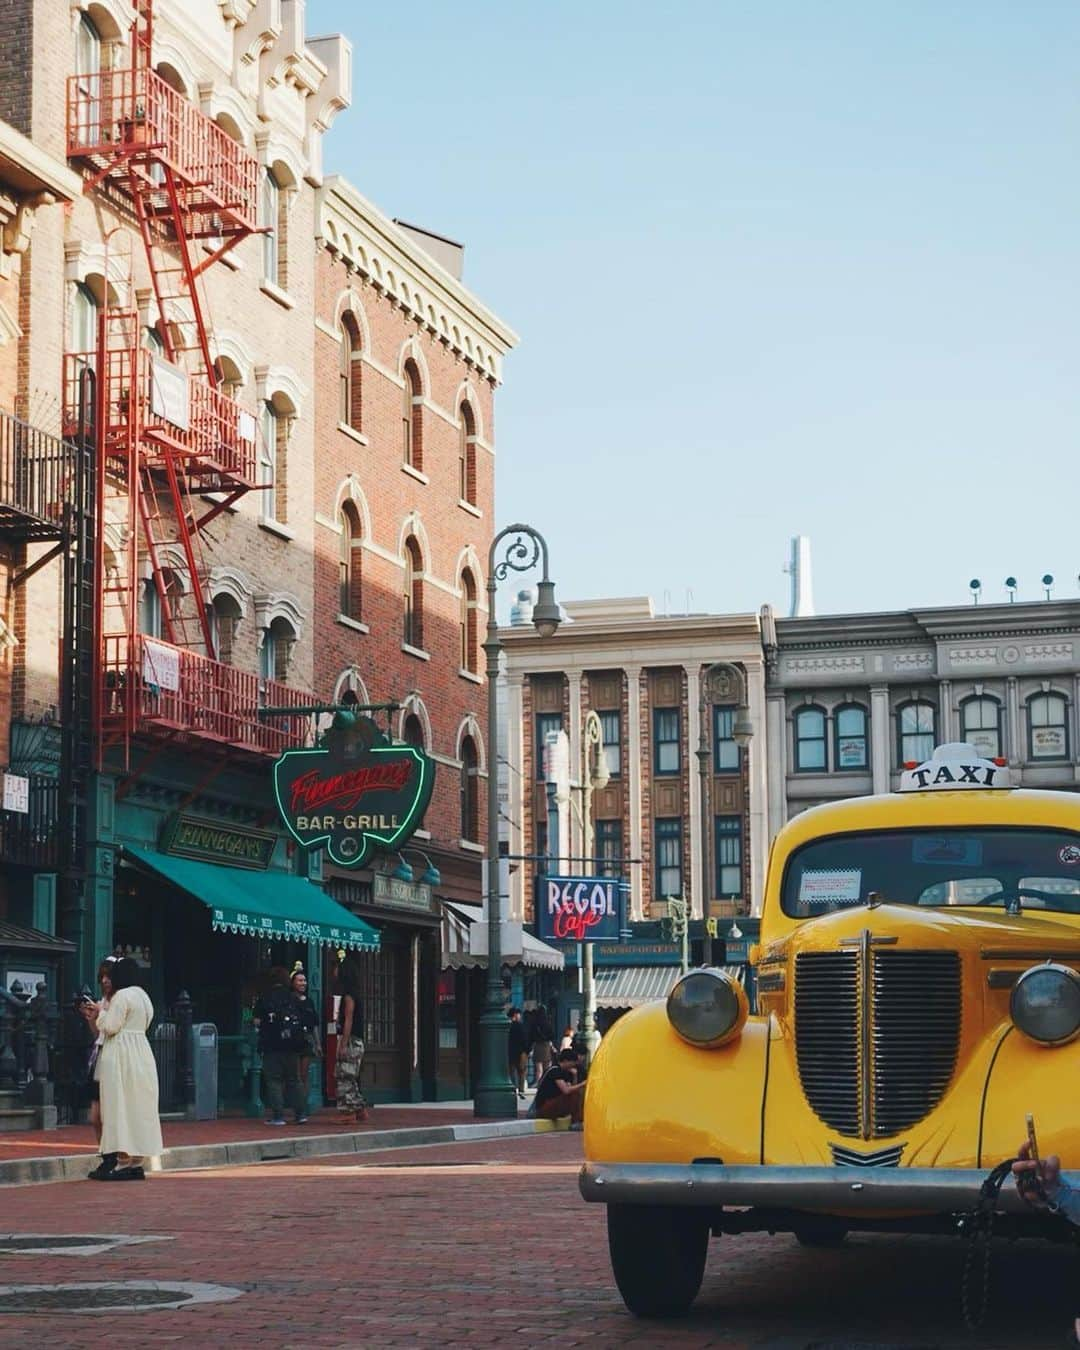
204, 1061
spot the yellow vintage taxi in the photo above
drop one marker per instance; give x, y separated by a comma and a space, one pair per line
918, 997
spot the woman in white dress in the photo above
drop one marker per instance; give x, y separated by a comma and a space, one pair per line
127, 1078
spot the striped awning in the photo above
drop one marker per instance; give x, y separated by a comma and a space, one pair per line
454, 929
631, 986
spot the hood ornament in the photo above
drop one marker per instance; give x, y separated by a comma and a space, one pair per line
874, 899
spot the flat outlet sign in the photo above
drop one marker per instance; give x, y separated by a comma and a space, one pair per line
358, 794
578, 909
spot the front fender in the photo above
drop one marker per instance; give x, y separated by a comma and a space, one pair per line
654, 1098
1043, 1081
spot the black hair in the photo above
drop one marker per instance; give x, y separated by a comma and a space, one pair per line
567, 1054
349, 979
124, 974
279, 977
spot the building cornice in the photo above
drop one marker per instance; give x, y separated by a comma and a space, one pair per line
352, 228
927, 626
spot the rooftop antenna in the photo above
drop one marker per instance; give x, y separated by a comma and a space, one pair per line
802, 589
1047, 582
689, 600
667, 601
1010, 586
975, 586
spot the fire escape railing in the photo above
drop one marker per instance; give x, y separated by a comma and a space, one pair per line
31, 838
36, 480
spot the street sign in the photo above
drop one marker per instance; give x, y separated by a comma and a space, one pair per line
579, 909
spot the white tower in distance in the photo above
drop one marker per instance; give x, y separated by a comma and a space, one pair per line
802, 585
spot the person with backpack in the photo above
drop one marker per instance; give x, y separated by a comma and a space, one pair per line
280, 1022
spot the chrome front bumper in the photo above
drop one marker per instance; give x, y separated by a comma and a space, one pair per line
845, 1190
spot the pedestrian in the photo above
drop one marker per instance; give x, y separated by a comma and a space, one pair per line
1041, 1184
310, 1021
559, 1094
126, 1076
278, 1017
542, 1033
517, 1051
93, 1088
567, 1041
350, 1043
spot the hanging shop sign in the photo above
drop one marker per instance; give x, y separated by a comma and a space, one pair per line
398, 894
356, 795
578, 909
187, 836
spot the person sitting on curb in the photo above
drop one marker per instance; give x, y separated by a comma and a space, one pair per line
559, 1094
1041, 1185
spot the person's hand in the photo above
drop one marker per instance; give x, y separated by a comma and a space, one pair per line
1036, 1181
88, 1009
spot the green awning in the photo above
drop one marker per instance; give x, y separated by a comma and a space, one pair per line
261, 904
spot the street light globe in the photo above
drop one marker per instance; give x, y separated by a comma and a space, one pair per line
742, 733
545, 615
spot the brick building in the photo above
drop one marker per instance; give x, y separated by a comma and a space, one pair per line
407, 361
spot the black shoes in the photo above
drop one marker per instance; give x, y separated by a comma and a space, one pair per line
126, 1174
105, 1168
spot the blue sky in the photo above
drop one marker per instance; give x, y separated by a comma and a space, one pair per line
778, 267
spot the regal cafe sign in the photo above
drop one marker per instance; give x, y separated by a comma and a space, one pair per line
356, 795
186, 836
579, 909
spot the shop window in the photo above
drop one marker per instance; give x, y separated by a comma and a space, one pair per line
1048, 726
810, 740
849, 728
470, 794
667, 751
379, 996
728, 857
412, 418
916, 723
448, 1010
980, 720
413, 596
669, 862
611, 732
546, 723
467, 456
726, 757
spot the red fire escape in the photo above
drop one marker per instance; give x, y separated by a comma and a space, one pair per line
172, 450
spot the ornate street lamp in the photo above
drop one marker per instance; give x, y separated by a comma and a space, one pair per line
726, 683
523, 549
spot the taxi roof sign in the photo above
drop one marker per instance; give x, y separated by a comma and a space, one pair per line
955, 766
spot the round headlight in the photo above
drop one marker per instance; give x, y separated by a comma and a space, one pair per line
1045, 1004
707, 1008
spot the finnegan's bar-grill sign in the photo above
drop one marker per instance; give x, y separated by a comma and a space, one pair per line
356, 795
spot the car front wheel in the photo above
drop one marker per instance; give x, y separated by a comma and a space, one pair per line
658, 1257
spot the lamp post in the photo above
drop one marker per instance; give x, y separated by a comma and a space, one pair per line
725, 682
522, 548
592, 754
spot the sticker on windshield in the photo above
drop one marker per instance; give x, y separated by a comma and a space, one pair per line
1069, 855
831, 886
952, 852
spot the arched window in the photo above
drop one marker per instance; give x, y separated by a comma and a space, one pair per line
413, 596
1048, 726
849, 730
470, 796
277, 649
980, 721
810, 754
229, 379
84, 319
351, 565
274, 220
412, 733
155, 621
467, 456
350, 379
276, 428
412, 422
469, 646
224, 620
916, 726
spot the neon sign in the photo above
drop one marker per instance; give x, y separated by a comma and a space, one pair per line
356, 795
578, 909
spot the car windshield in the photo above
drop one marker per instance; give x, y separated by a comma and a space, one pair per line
994, 867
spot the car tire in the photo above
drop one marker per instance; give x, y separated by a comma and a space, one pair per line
821, 1235
658, 1257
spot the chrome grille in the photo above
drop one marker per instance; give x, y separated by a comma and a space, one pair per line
827, 1035
876, 1034
916, 1034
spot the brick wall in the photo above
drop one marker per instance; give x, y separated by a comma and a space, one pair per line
16, 62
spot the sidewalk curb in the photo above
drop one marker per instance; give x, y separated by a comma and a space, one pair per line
274, 1148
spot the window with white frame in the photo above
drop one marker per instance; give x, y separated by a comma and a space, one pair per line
669, 864
1048, 726
728, 857
667, 756
980, 721
810, 741
916, 724
849, 726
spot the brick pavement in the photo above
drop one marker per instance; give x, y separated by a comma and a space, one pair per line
483, 1244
